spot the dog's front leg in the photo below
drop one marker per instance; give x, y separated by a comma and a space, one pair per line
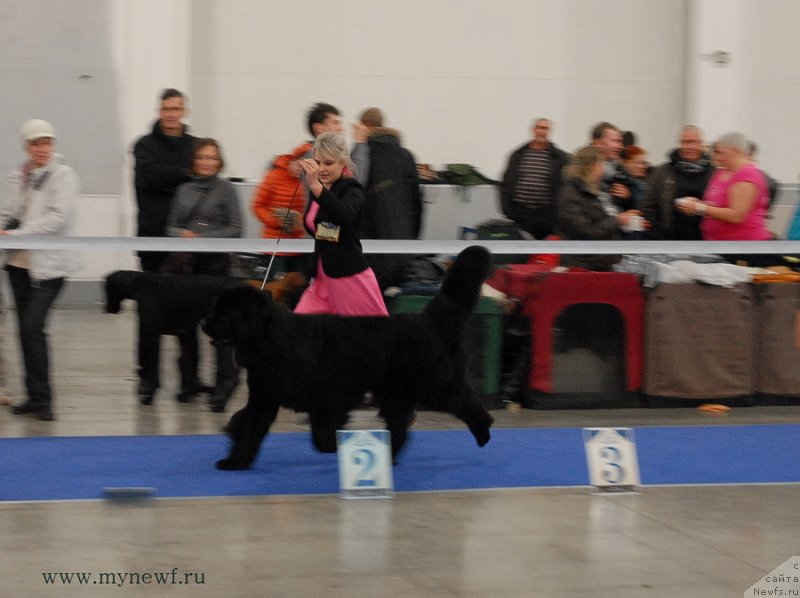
249, 426
324, 424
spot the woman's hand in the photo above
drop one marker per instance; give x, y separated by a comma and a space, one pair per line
189, 234
688, 205
632, 220
311, 170
624, 218
620, 191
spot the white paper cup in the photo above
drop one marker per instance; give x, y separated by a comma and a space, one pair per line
635, 223
682, 201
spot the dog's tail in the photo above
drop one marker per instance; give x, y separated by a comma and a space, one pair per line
461, 288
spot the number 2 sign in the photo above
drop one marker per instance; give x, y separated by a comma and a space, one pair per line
365, 463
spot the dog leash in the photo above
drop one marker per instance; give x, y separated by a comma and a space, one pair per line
280, 234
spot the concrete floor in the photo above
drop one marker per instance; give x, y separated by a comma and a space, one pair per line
703, 541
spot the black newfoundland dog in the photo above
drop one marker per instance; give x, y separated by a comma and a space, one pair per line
323, 364
171, 304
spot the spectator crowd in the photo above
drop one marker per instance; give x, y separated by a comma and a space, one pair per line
338, 195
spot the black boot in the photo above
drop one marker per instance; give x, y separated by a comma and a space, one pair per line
146, 391
222, 395
42, 411
189, 390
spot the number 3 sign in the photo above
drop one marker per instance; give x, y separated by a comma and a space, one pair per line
611, 458
365, 463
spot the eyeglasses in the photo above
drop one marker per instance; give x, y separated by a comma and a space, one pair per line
204, 157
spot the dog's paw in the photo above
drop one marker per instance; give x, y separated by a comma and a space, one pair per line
482, 436
230, 465
325, 447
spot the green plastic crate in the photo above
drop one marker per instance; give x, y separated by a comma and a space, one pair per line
484, 338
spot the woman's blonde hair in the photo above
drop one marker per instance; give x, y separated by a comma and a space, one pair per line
580, 165
334, 146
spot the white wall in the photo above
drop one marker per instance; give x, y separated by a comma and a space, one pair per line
461, 78
775, 92
756, 92
55, 63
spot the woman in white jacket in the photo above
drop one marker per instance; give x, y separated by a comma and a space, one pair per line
42, 201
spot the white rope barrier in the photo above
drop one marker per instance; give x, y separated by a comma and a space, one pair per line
402, 247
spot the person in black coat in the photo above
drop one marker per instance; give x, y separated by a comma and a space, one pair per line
531, 182
163, 162
685, 174
393, 210
585, 212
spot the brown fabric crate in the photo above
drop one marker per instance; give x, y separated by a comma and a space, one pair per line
699, 341
778, 360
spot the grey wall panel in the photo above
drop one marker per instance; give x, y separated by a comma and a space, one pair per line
57, 65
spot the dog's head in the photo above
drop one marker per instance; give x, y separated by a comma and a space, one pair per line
240, 316
121, 285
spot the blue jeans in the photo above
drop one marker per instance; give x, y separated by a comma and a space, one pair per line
34, 298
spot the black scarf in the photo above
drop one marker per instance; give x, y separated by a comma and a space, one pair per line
690, 167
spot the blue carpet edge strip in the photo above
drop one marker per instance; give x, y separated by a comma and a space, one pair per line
80, 467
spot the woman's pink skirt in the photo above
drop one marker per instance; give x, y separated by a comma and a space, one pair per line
357, 295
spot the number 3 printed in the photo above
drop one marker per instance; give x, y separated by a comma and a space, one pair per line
613, 471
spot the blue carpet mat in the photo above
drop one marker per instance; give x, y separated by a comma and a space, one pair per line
65, 468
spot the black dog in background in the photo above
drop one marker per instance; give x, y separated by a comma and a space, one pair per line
170, 304
323, 364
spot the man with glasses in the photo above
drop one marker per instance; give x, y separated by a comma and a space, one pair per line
163, 162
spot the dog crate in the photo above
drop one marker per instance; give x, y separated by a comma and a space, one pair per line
700, 342
483, 339
777, 357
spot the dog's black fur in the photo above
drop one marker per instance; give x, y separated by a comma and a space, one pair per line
324, 364
170, 304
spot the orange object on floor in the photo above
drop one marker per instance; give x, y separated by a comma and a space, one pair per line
713, 408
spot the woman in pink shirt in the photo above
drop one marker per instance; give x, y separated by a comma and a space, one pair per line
736, 199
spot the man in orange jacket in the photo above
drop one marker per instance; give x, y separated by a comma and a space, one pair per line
280, 200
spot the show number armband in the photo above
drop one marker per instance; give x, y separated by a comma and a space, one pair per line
327, 231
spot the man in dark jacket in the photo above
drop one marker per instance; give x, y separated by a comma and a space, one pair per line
685, 174
531, 182
616, 181
393, 210
163, 161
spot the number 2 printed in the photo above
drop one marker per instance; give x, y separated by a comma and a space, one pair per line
365, 458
